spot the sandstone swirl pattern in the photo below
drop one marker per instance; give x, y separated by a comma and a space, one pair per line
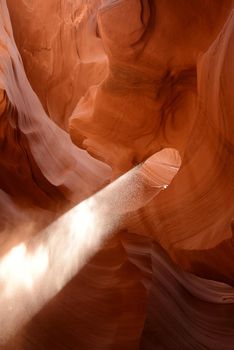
125, 79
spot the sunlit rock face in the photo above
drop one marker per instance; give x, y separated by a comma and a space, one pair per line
88, 90
62, 54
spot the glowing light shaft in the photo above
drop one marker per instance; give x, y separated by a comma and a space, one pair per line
34, 271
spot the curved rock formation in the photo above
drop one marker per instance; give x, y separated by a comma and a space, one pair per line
126, 79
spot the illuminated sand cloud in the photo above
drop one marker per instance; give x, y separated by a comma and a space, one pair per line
34, 271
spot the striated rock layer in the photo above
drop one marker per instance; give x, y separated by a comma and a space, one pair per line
126, 79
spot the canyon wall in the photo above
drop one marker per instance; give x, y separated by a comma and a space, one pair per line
90, 89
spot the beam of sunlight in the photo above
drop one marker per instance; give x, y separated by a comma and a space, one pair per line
36, 270
18, 268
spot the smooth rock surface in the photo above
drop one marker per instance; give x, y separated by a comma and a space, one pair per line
88, 90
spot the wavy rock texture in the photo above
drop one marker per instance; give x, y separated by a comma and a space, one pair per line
126, 79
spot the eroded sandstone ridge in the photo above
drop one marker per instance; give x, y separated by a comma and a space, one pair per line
95, 255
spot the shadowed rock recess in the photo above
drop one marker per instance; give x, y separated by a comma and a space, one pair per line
117, 175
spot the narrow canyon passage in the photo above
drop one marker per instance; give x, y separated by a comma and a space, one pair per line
116, 175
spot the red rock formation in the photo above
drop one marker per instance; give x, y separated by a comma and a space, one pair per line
63, 59
126, 78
